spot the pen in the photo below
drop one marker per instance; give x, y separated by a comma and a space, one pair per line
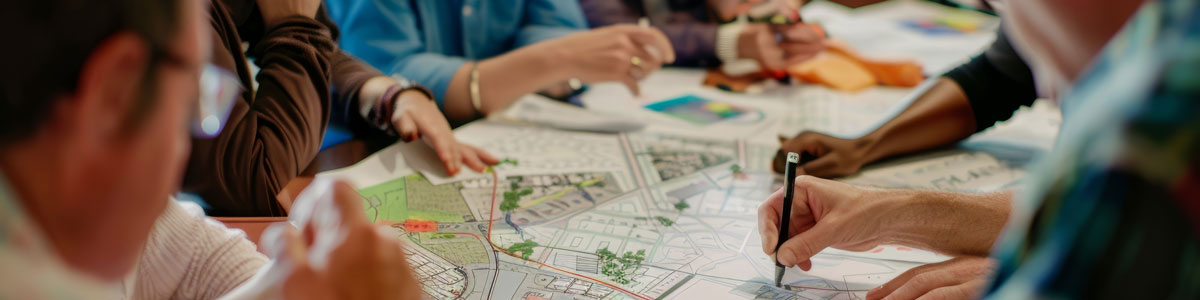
789, 175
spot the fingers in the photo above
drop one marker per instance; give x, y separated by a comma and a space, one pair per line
407, 129
282, 241
804, 244
780, 162
471, 158
443, 143
768, 220
823, 166
798, 33
431, 126
969, 290
349, 203
799, 52
632, 85
891, 286
958, 278
484, 156
302, 282
653, 40
648, 58
798, 249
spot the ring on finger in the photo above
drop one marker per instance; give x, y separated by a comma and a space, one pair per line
637, 72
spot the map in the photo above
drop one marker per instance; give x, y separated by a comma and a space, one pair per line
658, 217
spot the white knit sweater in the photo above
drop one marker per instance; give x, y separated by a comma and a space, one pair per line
189, 256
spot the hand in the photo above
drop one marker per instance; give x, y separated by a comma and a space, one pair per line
339, 255
960, 278
834, 157
417, 117
825, 213
796, 43
275, 10
800, 42
608, 53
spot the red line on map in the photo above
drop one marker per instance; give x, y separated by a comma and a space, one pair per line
492, 219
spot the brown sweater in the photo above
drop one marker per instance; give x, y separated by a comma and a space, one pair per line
274, 131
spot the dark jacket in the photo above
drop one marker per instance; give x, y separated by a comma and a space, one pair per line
275, 130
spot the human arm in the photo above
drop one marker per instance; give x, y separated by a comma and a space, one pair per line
190, 256
598, 55
385, 34
273, 133
827, 213
694, 39
332, 253
407, 113
966, 100
963, 277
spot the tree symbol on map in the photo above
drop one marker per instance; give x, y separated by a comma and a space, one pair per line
512, 197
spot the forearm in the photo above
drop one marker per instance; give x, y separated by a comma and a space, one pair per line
940, 116
502, 80
273, 134
355, 83
949, 223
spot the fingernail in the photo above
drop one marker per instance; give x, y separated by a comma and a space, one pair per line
654, 52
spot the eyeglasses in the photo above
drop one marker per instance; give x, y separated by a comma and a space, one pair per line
218, 89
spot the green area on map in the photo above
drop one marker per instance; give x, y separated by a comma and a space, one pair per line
413, 197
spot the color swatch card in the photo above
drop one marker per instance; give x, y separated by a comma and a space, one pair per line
697, 110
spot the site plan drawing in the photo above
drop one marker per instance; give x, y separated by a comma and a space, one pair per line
641, 215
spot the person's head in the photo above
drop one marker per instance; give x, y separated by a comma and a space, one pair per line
93, 118
1060, 38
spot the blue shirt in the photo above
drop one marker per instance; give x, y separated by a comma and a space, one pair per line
428, 41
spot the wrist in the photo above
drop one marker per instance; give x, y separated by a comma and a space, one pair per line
727, 41
893, 209
410, 96
731, 39
387, 107
948, 223
866, 148
556, 59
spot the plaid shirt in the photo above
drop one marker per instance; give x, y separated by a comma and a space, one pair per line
1114, 212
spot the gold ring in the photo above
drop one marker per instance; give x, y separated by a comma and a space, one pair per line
637, 61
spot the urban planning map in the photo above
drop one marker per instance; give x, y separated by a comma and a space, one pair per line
572, 215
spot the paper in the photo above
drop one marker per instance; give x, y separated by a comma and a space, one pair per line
886, 30
951, 170
539, 110
680, 213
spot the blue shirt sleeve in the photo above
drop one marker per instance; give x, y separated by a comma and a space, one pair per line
385, 34
388, 34
548, 19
